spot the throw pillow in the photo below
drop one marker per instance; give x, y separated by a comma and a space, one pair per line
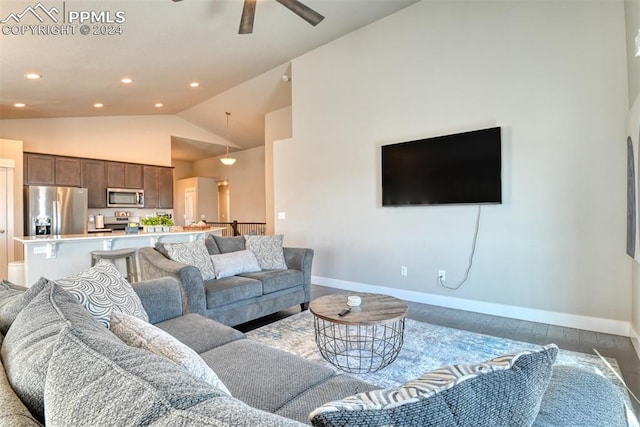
28, 345
93, 382
268, 251
232, 263
137, 333
192, 253
102, 288
13, 301
13, 412
506, 390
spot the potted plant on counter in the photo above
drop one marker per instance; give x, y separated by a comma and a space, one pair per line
166, 223
149, 224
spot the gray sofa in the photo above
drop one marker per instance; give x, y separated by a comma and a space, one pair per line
240, 298
81, 374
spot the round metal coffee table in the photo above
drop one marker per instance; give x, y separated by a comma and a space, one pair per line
367, 338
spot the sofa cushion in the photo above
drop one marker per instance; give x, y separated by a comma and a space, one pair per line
229, 244
13, 301
600, 402
92, 381
138, 333
192, 253
211, 245
13, 412
272, 382
231, 289
336, 387
268, 251
232, 263
29, 343
503, 391
277, 280
102, 288
159, 246
223, 412
200, 333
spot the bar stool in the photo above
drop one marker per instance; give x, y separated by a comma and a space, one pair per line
129, 254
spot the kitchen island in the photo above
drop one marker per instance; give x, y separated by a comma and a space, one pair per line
55, 257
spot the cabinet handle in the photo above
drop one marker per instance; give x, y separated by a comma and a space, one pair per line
2, 231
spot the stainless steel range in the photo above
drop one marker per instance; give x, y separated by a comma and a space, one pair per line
119, 223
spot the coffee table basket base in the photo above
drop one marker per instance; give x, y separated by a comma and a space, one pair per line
359, 349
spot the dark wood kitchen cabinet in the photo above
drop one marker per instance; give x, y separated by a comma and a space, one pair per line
158, 187
44, 169
94, 180
165, 188
124, 175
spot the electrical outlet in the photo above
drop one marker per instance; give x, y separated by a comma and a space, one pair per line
442, 275
403, 271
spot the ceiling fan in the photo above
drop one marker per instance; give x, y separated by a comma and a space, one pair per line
249, 12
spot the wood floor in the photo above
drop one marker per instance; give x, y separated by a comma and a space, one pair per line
615, 346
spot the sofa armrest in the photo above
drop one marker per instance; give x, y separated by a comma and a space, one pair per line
301, 259
154, 265
161, 298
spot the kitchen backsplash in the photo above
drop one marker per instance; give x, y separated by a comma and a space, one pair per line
142, 213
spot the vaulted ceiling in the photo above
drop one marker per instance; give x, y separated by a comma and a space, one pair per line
164, 46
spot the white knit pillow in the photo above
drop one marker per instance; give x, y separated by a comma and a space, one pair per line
137, 333
232, 263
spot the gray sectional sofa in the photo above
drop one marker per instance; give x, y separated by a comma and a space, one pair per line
69, 370
239, 298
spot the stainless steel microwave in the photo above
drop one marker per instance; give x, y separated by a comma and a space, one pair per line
125, 198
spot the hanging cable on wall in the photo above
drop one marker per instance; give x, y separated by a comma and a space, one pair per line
473, 251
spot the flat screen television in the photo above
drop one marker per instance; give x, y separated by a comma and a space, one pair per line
452, 169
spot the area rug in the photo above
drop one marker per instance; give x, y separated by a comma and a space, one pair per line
426, 347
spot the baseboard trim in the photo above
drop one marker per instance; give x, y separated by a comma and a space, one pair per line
635, 339
596, 324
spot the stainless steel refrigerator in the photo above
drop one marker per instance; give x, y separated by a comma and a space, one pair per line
55, 210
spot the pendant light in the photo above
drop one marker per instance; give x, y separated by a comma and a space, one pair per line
227, 160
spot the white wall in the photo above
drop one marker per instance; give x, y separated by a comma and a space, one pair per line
552, 74
277, 126
632, 17
136, 139
246, 182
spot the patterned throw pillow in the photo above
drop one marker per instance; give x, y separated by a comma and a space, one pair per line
192, 253
232, 263
506, 390
268, 251
101, 289
137, 333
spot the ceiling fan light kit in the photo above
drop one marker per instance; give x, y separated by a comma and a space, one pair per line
227, 160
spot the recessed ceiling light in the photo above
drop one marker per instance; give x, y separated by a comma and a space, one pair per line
159, 105
194, 84
33, 76
19, 105
98, 105
127, 80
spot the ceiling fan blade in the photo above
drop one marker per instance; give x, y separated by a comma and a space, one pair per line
304, 12
248, 13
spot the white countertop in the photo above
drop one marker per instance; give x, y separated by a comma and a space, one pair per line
108, 235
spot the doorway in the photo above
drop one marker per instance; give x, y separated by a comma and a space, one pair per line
223, 201
6, 215
189, 205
